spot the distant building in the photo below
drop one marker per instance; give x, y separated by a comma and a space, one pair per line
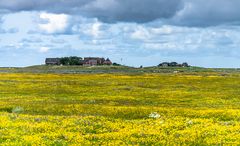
91, 61
107, 62
52, 61
87, 61
164, 64
185, 64
173, 64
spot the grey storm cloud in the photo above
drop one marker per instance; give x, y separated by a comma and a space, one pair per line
179, 12
209, 13
105, 10
134, 10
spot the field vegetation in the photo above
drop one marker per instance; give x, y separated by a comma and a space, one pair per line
181, 108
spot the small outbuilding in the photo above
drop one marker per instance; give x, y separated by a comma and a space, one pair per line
185, 64
164, 64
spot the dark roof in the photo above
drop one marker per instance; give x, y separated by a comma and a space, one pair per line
92, 58
52, 59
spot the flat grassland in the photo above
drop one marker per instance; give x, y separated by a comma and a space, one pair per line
201, 108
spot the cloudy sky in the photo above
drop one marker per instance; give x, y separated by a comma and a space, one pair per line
131, 32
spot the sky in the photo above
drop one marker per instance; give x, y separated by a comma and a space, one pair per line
130, 32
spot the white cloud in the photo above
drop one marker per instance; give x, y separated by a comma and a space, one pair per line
166, 29
94, 29
44, 49
146, 33
141, 33
56, 23
161, 46
4, 29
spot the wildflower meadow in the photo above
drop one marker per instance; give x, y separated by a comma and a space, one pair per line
120, 109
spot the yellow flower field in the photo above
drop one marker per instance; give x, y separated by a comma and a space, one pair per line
119, 109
